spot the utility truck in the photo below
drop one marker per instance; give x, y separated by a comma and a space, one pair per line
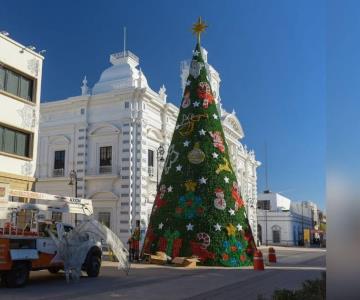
35, 245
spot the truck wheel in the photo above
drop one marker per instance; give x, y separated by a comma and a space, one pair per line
18, 276
93, 265
54, 270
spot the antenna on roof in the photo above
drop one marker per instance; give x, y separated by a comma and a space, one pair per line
266, 169
124, 40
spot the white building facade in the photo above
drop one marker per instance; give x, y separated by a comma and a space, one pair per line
110, 136
282, 221
20, 87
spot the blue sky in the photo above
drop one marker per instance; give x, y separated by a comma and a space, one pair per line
271, 56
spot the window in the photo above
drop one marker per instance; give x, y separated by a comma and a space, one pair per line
263, 204
150, 158
16, 84
104, 218
14, 141
276, 230
105, 159
151, 163
59, 163
276, 236
56, 216
127, 105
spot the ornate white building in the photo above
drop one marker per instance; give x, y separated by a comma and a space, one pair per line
110, 135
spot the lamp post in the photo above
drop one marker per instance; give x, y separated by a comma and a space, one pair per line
266, 231
73, 181
302, 223
159, 158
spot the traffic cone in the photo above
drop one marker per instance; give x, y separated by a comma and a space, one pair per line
272, 255
258, 261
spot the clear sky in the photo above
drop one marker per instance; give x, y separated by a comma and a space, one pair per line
271, 56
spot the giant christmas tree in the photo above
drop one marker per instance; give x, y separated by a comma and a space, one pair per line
198, 210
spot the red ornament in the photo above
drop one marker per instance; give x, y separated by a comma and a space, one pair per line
203, 254
217, 140
150, 237
200, 210
233, 248
162, 244
237, 198
242, 257
204, 93
159, 200
225, 256
248, 235
176, 247
179, 210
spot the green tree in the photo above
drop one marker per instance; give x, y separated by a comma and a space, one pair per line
198, 209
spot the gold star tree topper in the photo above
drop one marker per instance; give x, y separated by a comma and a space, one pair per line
198, 28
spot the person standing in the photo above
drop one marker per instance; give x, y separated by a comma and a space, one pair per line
134, 242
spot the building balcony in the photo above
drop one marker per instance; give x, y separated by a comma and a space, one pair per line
58, 172
102, 171
105, 169
151, 171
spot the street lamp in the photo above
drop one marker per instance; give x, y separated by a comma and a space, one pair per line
266, 230
159, 158
302, 223
73, 181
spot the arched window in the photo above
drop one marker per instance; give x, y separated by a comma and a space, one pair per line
276, 233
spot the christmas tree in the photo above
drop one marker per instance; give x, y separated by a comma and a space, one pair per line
198, 210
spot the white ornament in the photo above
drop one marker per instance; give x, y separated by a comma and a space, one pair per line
188, 82
202, 132
186, 100
231, 212
204, 238
195, 68
226, 179
196, 53
170, 189
217, 227
239, 227
189, 227
171, 158
178, 168
219, 201
161, 225
186, 143
215, 116
215, 155
196, 104
203, 180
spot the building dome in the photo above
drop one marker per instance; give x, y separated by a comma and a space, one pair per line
122, 74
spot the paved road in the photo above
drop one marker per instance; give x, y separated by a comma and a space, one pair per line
156, 282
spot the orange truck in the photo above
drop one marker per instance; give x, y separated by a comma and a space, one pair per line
32, 248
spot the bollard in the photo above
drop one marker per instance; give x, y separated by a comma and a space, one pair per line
272, 255
258, 261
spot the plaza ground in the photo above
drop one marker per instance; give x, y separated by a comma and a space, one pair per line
162, 282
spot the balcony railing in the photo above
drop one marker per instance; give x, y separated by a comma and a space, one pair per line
105, 169
58, 173
151, 171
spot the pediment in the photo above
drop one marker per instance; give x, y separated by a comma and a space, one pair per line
104, 129
59, 140
104, 195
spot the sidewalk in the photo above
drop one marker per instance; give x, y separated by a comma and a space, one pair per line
286, 248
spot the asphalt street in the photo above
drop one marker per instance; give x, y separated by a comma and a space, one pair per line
163, 282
